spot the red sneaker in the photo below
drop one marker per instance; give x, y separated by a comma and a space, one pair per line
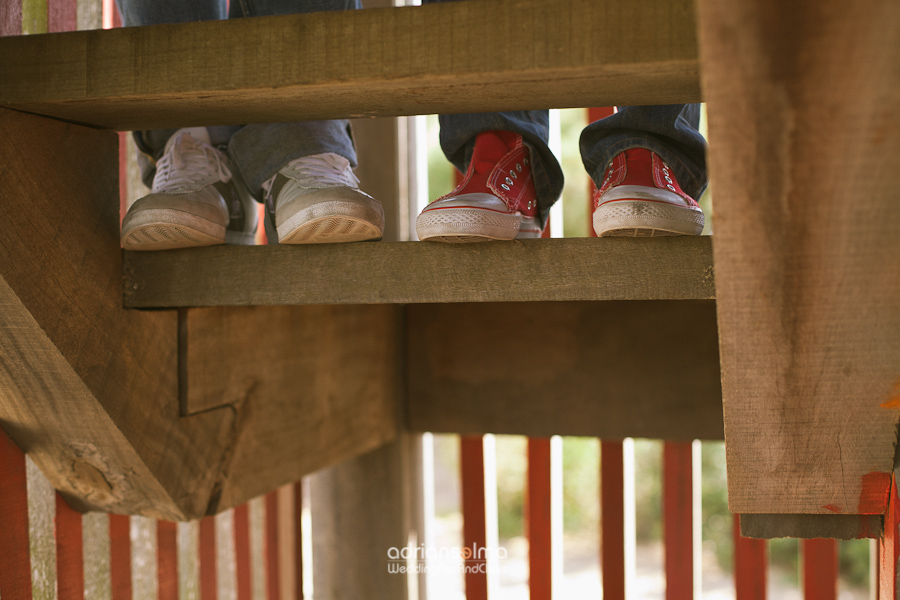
640, 197
495, 201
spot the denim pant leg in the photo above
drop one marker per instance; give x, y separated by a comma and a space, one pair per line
669, 130
258, 150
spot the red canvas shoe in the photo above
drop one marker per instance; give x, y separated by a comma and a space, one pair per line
495, 201
640, 197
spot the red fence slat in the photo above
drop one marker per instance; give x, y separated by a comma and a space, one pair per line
242, 552
69, 552
889, 549
538, 519
678, 519
62, 15
167, 560
120, 556
207, 555
10, 17
471, 459
820, 572
15, 559
273, 579
612, 519
750, 565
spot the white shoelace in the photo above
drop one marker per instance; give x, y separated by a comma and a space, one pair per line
188, 165
316, 171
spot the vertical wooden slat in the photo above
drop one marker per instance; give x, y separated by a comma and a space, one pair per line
889, 549
15, 558
471, 458
272, 567
69, 552
242, 552
10, 17
820, 573
612, 519
62, 15
678, 519
298, 537
750, 565
120, 556
167, 560
207, 555
537, 523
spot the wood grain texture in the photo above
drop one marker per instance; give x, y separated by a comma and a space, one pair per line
378, 62
309, 386
600, 369
839, 527
367, 513
87, 388
804, 109
413, 272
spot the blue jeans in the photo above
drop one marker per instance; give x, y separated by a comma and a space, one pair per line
259, 151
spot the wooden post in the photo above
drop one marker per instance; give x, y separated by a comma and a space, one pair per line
167, 560
889, 550
15, 558
804, 102
69, 552
120, 557
820, 569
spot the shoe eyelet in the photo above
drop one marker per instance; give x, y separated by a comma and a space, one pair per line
513, 173
671, 187
505, 187
509, 181
524, 161
519, 167
669, 179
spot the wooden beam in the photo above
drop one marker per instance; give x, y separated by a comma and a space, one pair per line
804, 106
442, 58
309, 386
610, 369
87, 388
413, 272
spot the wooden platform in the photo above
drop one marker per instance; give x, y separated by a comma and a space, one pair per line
374, 62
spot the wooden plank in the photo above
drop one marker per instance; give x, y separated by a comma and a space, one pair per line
471, 465
69, 552
89, 389
806, 249
820, 569
751, 565
383, 62
309, 386
15, 557
612, 369
540, 567
413, 272
612, 519
840, 527
678, 511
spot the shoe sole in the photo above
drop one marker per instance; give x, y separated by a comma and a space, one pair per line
467, 225
642, 218
166, 229
334, 222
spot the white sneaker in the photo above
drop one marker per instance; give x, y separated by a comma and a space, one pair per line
316, 200
196, 200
